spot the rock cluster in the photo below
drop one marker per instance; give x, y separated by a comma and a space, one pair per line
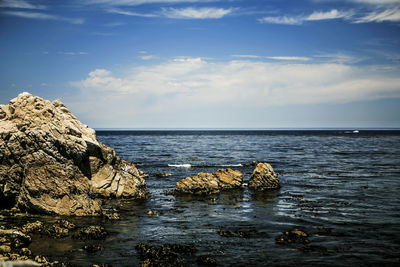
210, 183
264, 178
51, 163
165, 255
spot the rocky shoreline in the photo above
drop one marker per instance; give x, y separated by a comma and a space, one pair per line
52, 164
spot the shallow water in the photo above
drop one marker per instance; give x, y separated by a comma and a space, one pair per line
340, 187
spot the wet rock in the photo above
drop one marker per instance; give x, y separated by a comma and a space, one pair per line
242, 233
33, 227
206, 260
61, 228
14, 238
150, 212
111, 216
293, 236
91, 232
264, 178
163, 174
165, 255
210, 183
51, 163
92, 248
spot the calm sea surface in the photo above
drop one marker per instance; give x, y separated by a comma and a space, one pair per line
340, 187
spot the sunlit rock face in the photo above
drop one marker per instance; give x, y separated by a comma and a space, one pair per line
264, 178
52, 163
210, 183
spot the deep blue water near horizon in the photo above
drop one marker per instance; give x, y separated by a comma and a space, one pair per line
340, 187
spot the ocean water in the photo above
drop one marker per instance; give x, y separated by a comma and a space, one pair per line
340, 187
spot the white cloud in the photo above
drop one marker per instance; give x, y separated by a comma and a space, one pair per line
147, 57
196, 13
333, 14
130, 13
187, 82
246, 56
282, 20
316, 15
142, 2
43, 16
377, 2
339, 58
20, 4
392, 14
291, 58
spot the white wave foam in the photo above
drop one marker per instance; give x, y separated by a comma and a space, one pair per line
231, 165
180, 165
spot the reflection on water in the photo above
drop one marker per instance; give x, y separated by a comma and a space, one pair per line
340, 188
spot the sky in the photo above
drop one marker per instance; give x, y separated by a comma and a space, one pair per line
145, 64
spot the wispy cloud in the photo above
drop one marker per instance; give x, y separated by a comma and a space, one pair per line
291, 58
68, 53
339, 58
285, 58
196, 13
43, 16
392, 14
130, 13
147, 57
316, 15
377, 2
282, 20
142, 2
178, 13
20, 4
246, 56
333, 14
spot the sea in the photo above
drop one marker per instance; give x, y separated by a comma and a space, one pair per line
340, 186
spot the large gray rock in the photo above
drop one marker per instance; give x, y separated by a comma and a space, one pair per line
210, 183
264, 178
52, 163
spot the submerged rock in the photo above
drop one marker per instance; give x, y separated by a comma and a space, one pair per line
293, 236
51, 163
163, 174
264, 178
165, 255
91, 232
210, 183
206, 260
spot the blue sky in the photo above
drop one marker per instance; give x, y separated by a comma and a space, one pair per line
207, 63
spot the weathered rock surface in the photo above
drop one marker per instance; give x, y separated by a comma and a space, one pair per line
264, 178
210, 183
52, 163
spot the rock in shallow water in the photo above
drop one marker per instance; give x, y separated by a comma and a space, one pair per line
210, 183
264, 178
52, 163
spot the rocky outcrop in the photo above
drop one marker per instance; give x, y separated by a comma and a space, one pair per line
210, 183
264, 178
52, 163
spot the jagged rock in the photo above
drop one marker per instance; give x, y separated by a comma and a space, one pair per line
264, 178
210, 183
52, 163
